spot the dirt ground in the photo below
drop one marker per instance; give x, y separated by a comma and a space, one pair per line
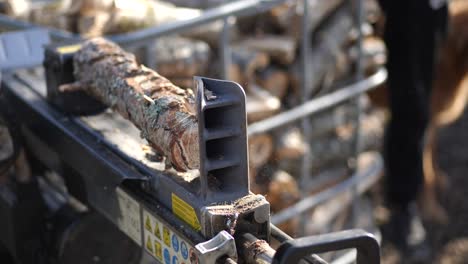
449, 243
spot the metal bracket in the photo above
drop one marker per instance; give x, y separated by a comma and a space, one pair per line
222, 126
368, 250
22, 49
222, 244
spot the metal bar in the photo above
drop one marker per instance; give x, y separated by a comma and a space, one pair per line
320, 104
370, 176
151, 60
17, 24
236, 8
306, 87
359, 74
359, 108
225, 47
281, 236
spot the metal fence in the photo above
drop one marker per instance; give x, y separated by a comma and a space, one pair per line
354, 185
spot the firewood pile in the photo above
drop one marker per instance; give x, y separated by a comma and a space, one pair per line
266, 61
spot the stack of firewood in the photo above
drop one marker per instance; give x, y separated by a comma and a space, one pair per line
266, 61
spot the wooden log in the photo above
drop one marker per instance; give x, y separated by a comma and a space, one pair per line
93, 23
283, 192
332, 149
325, 53
260, 104
52, 15
280, 48
260, 150
244, 63
17, 8
290, 144
163, 112
338, 147
374, 54
180, 58
274, 80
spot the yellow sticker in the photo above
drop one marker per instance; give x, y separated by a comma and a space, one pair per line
69, 49
158, 250
157, 231
148, 224
185, 212
167, 236
149, 245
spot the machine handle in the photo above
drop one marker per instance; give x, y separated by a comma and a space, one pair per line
368, 250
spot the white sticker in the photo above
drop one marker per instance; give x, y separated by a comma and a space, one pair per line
163, 244
129, 221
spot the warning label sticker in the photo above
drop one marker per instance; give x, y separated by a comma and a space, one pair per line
129, 221
185, 212
163, 244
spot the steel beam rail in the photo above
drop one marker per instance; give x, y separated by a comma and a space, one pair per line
317, 105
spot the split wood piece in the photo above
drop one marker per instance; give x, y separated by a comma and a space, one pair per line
17, 8
210, 33
92, 18
260, 149
283, 191
288, 16
181, 58
328, 42
255, 187
184, 82
163, 112
335, 147
374, 54
326, 122
260, 104
244, 63
273, 79
280, 48
290, 144
52, 15
323, 214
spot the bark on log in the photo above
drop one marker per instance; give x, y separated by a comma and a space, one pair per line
260, 104
274, 80
280, 48
163, 112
